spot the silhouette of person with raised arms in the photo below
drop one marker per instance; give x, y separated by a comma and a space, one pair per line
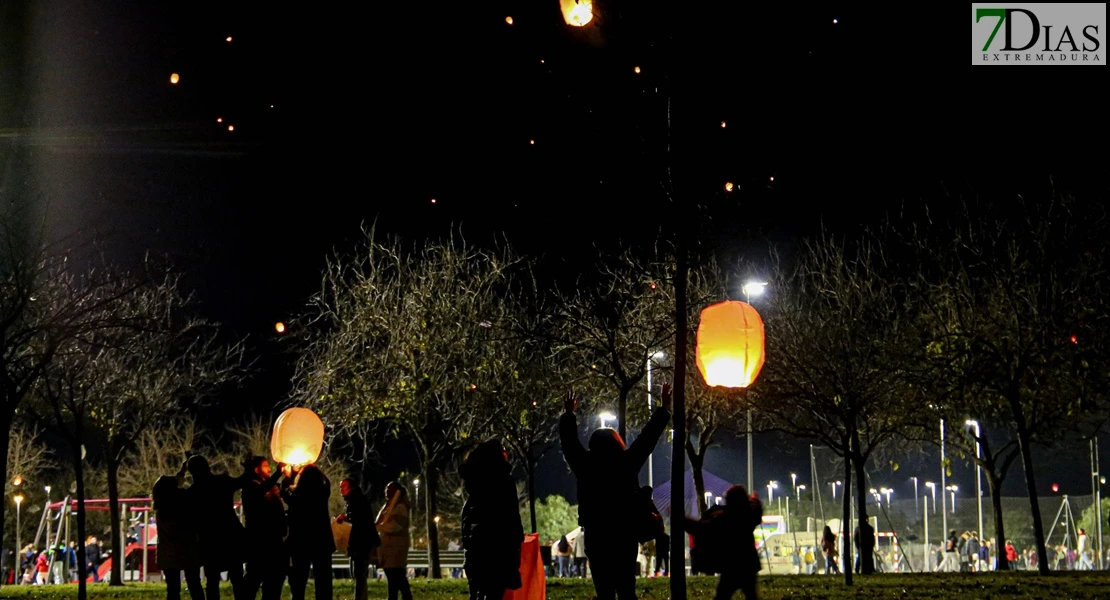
222, 538
311, 542
264, 514
608, 482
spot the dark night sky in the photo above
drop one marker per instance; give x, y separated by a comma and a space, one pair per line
349, 116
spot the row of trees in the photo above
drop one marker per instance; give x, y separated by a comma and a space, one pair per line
994, 313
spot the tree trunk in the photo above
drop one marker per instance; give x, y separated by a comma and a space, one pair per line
431, 481
1031, 489
846, 519
79, 475
5, 436
696, 463
532, 491
866, 559
999, 546
622, 415
116, 577
678, 393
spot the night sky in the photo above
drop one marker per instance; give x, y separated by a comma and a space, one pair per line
346, 116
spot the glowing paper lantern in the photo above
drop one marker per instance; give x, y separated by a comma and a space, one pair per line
174, 78
728, 186
730, 344
298, 437
509, 20
279, 327
577, 12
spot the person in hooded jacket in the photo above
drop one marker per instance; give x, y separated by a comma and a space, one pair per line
608, 482
491, 529
178, 544
735, 556
222, 537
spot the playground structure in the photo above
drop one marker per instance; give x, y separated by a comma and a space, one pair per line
145, 550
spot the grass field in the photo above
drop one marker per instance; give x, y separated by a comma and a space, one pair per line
1008, 586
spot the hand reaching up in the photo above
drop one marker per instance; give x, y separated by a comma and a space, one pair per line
571, 403
667, 398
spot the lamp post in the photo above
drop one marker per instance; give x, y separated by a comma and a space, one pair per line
932, 488
18, 502
751, 288
771, 487
916, 500
886, 492
793, 481
606, 416
943, 481
1096, 483
416, 507
650, 465
952, 489
978, 473
926, 561
799, 490
833, 485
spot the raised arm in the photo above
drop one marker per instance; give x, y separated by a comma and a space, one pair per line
642, 446
573, 451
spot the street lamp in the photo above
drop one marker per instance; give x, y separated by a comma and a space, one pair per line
416, 507
794, 481
606, 416
771, 487
978, 472
833, 485
18, 501
650, 465
953, 488
886, 492
751, 288
708, 499
916, 501
799, 490
875, 494
933, 488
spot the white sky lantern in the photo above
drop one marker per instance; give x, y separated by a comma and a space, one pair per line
577, 12
298, 437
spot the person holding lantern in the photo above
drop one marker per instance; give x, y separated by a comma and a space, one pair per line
222, 538
393, 527
608, 474
491, 529
311, 542
264, 514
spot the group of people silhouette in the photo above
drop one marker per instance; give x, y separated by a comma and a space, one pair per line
286, 530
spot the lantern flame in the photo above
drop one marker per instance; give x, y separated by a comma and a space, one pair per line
577, 12
730, 344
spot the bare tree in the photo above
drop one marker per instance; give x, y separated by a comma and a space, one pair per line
1015, 302
837, 340
610, 327
158, 450
28, 458
403, 337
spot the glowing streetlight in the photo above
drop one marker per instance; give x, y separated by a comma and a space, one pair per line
833, 485
605, 417
933, 489
886, 492
978, 471
771, 487
753, 288
953, 489
799, 491
916, 501
18, 502
650, 361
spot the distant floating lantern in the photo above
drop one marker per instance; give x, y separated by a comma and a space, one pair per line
730, 344
1055, 487
636, 70
772, 178
298, 437
279, 327
17, 481
723, 124
231, 128
728, 186
577, 12
433, 200
229, 38
219, 119
509, 20
533, 142
174, 78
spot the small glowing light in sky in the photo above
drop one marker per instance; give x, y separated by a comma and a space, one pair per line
174, 78
772, 178
509, 20
636, 70
229, 38
723, 124
473, 387
728, 186
835, 21
541, 61
279, 327
653, 285
271, 106
219, 119
433, 200
533, 142
231, 128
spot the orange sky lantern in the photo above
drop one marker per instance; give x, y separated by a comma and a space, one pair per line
730, 344
174, 78
577, 12
298, 437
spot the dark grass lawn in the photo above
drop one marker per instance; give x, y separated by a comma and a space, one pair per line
1004, 586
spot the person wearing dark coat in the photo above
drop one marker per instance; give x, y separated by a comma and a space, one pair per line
364, 538
264, 515
178, 543
311, 542
607, 476
735, 556
491, 529
222, 538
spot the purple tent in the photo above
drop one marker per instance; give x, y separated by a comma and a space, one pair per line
713, 484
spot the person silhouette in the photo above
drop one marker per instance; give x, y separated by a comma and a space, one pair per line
607, 477
311, 542
364, 538
491, 530
222, 538
178, 544
264, 514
